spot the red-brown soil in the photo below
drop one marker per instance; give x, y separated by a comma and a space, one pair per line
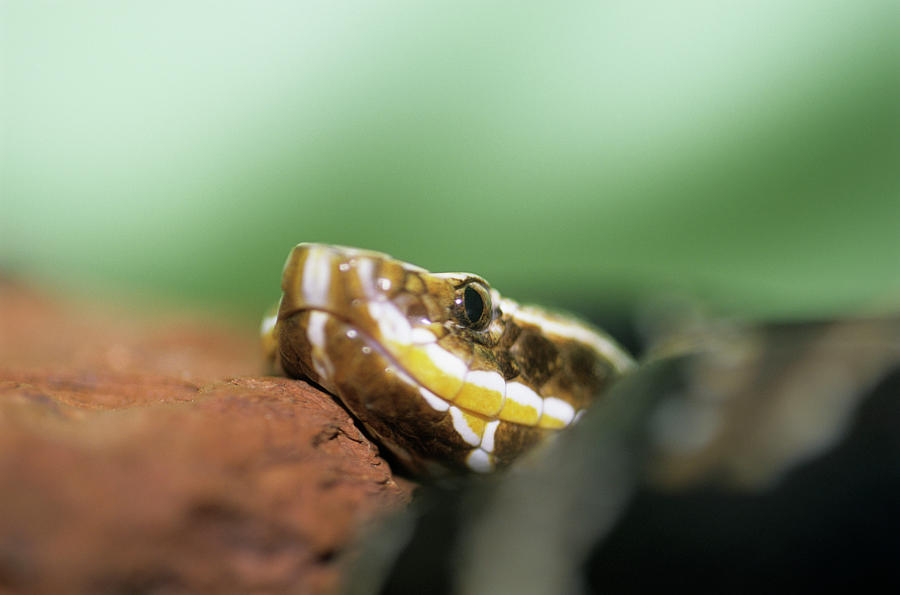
148, 455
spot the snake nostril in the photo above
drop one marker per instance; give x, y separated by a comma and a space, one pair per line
411, 306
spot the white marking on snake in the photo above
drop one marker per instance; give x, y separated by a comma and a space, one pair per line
559, 409
486, 379
421, 336
524, 396
487, 441
317, 276
448, 363
268, 324
365, 272
489, 380
569, 330
480, 461
315, 332
462, 427
433, 400
392, 325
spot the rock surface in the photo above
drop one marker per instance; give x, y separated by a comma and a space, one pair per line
143, 455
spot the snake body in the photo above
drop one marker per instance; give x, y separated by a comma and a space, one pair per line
438, 367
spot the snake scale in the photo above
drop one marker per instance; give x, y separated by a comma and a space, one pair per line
438, 367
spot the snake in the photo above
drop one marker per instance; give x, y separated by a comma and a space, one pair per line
439, 368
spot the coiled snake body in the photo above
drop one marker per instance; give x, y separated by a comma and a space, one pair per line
439, 368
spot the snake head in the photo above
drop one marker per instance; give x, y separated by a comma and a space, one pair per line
438, 367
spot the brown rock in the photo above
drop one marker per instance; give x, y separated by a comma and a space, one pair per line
133, 460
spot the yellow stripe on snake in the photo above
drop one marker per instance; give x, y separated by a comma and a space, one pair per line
438, 367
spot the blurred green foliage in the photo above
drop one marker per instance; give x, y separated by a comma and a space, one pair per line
744, 152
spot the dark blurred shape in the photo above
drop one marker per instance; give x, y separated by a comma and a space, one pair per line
737, 459
833, 522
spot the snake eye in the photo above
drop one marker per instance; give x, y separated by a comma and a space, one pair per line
476, 302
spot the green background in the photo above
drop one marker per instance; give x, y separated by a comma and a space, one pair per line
578, 153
